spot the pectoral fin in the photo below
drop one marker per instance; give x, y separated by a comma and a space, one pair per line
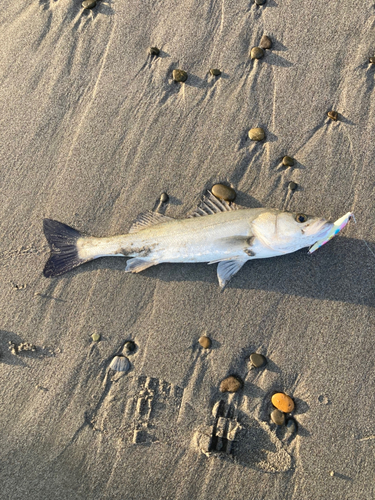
137, 265
228, 268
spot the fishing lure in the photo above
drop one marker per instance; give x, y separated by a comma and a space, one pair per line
336, 228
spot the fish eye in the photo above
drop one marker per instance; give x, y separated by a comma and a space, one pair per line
301, 218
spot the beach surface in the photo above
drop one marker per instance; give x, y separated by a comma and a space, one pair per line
92, 130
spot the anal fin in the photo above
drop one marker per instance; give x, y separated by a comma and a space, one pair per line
136, 265
228, 268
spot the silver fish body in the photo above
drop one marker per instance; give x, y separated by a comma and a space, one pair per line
216, 232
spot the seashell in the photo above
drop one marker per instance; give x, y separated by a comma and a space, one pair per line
333, 115
257, 134
282, 402
256, 53
223, 192
120, 364
179, 75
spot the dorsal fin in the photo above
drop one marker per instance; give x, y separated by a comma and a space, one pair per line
212, 205
148, 219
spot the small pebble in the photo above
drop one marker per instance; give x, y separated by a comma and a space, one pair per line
89, 4
223, 192
154, 51
282, 402
278, 417
265, 42
256, 53
215, 72
95, 337
129, 346
120, 364
333, 115
179, 75
257, 360
291, 426
205, 342
293, 186
332, 473
164, 197
372, 60
257, 134
260, 2
230, 384
288, 161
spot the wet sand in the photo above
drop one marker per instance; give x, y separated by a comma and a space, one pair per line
93, 130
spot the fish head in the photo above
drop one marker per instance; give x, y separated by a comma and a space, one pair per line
286, 232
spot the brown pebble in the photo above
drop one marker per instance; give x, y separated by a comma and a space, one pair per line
223, 192
265, 42
89, 4
278, 417
230, 384
292, 186
256, 53
333, 115
282, 402
215, 72
205, 342
179, 75
164, 198
154, 51
257, 134
288, 161
372, 60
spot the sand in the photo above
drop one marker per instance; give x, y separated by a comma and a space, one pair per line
92, 132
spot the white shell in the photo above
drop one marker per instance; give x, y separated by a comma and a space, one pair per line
120, 364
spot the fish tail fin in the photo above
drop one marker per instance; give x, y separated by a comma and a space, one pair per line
62, 240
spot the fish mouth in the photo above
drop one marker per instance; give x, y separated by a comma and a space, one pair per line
318, 229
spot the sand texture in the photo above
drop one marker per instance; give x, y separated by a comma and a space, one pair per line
93, 130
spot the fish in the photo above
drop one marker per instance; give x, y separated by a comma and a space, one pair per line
216, 232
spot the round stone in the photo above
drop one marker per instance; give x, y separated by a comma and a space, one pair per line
89, 4
154, 51
333, 115
291, 426
164, 197
179, 75
120, 364
288, 161
265, 42
129, 346
260, 2
257, 134
278, 417
256, 53
282, 402
372, 60
95, 337
257, 360
230, 384
332, 473
293, 186
205, 342
215, 72
223, 192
